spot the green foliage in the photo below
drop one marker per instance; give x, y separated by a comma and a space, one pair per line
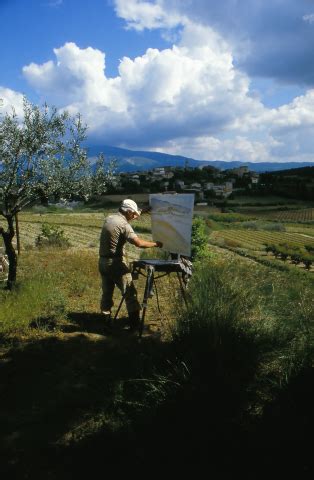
274, 227
41, 156
37, 299
52, 236
239, 314
296, 253
199, 242
250, 225
229, 217
219, 298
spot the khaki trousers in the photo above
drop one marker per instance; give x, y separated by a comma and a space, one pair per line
115, 272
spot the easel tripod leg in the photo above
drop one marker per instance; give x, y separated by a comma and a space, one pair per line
182, 289
148, 286
119, 307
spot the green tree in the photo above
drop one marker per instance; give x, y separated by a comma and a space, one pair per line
41, 156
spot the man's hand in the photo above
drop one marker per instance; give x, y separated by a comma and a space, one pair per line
141, 243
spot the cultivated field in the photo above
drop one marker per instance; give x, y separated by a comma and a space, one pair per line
81, 229
256, 240
299, 215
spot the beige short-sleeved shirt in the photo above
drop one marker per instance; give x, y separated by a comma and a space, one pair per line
115, 233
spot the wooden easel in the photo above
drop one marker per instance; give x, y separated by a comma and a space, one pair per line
150, 267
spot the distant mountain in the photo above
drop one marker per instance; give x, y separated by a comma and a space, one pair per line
130, 160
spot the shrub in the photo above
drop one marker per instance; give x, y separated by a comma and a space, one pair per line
229, 217
269, 247
199, 241
307, 261
274, 227
250, 225
52, 236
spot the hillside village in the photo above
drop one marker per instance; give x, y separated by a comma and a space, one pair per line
205, 182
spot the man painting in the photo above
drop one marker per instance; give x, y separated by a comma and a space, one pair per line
113, 268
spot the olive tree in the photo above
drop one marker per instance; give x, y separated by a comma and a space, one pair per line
41, 155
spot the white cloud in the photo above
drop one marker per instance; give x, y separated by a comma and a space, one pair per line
308, 18
9, 99
191, 89
238, 148
143, 14
188, 99
76, 78
269, 38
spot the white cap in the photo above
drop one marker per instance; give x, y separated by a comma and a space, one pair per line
129, 204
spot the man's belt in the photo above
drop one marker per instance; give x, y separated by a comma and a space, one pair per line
111, 256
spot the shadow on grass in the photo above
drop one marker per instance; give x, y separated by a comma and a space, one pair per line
76, 322
85, 321
73, 404
60, 391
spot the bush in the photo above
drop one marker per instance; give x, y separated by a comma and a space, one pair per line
199, 241
274, 227
250, 225
307, 260
229, 217
52, 236
296, 254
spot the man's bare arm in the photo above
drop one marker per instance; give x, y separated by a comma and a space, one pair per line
140, 243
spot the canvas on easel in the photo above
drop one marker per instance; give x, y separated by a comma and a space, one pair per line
172, 216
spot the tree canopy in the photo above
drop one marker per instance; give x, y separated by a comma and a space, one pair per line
41, 155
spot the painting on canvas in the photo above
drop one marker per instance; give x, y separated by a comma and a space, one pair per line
172, 216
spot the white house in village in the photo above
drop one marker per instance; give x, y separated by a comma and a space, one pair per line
196, 186
159, 171
254, 177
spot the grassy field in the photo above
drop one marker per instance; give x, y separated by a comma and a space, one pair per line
224, 384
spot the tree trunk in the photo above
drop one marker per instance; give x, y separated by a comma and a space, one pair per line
10, 251
17, 228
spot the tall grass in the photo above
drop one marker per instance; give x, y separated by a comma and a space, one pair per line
216, 331
51, 283
242, 320
35, 299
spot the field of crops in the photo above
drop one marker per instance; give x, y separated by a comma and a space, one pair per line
305, 230
255, 240
302, 215
81, 229
79, 236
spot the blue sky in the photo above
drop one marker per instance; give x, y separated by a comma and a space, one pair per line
228, 80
